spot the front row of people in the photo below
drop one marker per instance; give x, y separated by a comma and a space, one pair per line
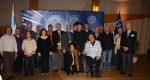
93, 51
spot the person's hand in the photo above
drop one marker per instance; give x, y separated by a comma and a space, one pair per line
70, 68
84, 52
125, 48
50, 53
28, 55
39, 54
64, 51
59, 47
16, 55
97, 57
33, 52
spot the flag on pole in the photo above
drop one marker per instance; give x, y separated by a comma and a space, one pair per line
119, 23
13, 20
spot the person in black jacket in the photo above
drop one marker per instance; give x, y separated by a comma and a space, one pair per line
71, 62
44, 48
57, 48
79, 41
107, 44
128, 40
87, 31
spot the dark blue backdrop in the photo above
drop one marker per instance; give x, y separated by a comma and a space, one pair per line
46, 17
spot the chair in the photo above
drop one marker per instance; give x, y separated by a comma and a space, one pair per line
88, 71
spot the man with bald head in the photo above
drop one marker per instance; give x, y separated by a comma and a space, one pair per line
128, 40
29, 28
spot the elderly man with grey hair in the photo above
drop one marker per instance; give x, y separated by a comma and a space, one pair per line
93, 51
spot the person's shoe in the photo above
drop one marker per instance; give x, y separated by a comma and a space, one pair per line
56, 70
104, 69
68, 73
122, 73
32, 74
42, 74
98, 76
12, 77
25, 75
72, 72
77, 73
92, 76
109, 69
8, 78
47, 74
130, 74
81, 71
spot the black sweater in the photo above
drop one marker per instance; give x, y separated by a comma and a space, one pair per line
44, 46
79, 40
107, 41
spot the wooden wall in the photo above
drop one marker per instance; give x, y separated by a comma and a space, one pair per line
113, 17
142, 27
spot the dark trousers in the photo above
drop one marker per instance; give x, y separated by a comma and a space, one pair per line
45, 64
90, 62
118, 60
18, 62
81, 62
127, 60
74, 69
29, 65
113, 60
8, 58
37, 60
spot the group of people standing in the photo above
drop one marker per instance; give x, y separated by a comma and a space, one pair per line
68, 50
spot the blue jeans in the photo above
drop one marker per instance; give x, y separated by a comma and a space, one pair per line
106, 59
51, 61
29, 65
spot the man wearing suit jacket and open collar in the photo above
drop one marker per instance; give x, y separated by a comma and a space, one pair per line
128, 40
57, 48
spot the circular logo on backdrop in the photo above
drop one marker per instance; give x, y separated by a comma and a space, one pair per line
91, 19
74, 18
55, 18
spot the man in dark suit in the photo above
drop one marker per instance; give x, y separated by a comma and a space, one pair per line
57, 47
87, 31
128, 40
67, 38
79, 41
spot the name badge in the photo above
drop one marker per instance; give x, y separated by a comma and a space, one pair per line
132, 35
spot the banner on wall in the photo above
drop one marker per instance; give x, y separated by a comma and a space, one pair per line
45, 17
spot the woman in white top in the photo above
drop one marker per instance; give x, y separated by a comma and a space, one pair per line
29, 47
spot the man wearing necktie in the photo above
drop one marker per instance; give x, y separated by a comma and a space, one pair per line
57, 48
128, 40
67, 38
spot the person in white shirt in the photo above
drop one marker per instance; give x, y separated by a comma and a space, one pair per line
29, 46
93, 51
8, 48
